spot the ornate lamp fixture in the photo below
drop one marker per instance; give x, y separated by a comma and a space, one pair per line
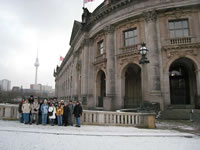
143, 51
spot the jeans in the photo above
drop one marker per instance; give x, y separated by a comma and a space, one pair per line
26, 117
21, 118
44, 119
59, 120
35, 118
51, 121
78, 121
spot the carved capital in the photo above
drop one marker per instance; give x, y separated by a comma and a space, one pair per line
109, 29
78, 66
150, 15
85, 42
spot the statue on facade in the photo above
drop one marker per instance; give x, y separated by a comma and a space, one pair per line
86, 15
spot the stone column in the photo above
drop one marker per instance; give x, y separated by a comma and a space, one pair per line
144, 74
110, 68
91, 103
198, 87
85, 70
153, 68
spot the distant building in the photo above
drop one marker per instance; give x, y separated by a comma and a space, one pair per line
46, 88
40, 87
16, 89
51, 93
36, 87
5, 85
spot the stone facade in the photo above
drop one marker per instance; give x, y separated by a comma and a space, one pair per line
102, 68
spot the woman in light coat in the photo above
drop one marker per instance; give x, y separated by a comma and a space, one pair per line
26, 109
52, 114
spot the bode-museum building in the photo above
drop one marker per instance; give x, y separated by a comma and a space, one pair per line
103, 66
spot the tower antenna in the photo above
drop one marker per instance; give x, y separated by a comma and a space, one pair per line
36, 67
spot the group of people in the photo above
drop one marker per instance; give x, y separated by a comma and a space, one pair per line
49, 111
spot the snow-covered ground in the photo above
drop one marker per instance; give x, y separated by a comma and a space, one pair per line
16, 136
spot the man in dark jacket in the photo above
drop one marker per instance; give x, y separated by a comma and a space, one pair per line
70, 113
21, 118
77, 113
65, 114
40, 112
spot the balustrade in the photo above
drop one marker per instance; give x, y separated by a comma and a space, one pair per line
144, 120
185, 40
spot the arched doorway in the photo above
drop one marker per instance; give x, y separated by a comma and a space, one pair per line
133, 92
101, 88
182, 82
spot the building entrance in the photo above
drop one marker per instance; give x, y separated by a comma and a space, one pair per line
133, 92
182, 82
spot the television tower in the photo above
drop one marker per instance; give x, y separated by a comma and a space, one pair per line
36, 67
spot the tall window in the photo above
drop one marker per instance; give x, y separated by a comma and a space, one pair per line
178, 28
130, 37
100, 47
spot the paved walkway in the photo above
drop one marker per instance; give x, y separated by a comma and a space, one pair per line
16, 136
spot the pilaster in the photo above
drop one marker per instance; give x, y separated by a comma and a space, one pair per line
153, 68
110, 68
85, 66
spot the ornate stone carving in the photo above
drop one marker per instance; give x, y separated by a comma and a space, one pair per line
109, 29
133, 59
171, 54
85, 42
150, 15
128, 51
128, 23
78, 65
101, 66
178, 13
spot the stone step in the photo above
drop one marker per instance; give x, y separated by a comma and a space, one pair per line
180, 114
181, 107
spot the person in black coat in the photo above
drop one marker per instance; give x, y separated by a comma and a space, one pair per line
78, 113
65, 114
21, 118
40, 113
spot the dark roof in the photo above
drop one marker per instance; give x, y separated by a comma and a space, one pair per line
76, 28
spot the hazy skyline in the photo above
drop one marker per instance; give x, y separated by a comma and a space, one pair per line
28, 25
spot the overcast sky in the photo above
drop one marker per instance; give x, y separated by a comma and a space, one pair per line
28, 25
